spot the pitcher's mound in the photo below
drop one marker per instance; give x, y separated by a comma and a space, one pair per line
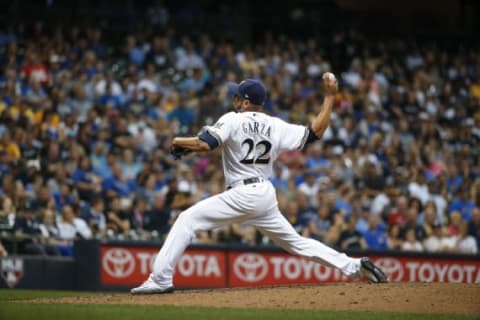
440, 298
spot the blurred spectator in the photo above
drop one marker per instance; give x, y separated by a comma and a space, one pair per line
138, 220
338, 225
177, 196
430, 219
474, 225
67, 231
438, 199
118, 185
183, 114
7, 215
80, 102
34, 70
412, 223
375, 236
3, 251
86, 181
418, 188
310, 188
372, 178
160, 54
27, 227
466, 243
398, 215
130, 166
147, 186
454, 179
187, 58
394, 242
158, 218
95, 218
298, 221
134, 51
206, 237
362, 222
434, 242
411, 243
438, 241
51, 234
64, 197
195, 81
463, 204
319, 224
30, 147
350, 238
8, 145
454, 225
48, 226
279, 180
118, 217
243, 233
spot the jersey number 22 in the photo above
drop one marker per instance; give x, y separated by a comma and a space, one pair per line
264, 158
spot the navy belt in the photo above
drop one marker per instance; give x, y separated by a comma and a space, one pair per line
251, 180
245, 182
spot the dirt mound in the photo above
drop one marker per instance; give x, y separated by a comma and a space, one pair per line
439, 298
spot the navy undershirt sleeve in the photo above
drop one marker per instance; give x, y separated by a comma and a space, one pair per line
209, 139
311, 136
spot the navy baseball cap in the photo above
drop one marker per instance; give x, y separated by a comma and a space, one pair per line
250, 89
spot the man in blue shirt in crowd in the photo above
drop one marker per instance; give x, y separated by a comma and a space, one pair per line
376, 236
117, 185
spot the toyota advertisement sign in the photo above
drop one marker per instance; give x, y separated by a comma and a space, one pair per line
429, 270
129, 266
252, 269
208, 268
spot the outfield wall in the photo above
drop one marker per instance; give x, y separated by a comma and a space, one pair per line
102, 265
227, 266
36, 272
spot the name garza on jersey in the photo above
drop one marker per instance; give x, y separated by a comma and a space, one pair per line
255, 127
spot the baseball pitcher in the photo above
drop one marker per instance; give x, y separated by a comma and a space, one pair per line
251, 141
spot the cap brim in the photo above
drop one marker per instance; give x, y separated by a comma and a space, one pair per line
233, 88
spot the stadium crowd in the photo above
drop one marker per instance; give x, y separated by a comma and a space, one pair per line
85, 127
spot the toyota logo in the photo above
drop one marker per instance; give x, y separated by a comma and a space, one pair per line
250, 267
118, 262
391, 267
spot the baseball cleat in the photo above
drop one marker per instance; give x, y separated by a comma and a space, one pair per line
151, 287
372, 272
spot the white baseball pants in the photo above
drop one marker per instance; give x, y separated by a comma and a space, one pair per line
255, 204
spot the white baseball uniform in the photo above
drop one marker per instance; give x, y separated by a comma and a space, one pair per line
251, 141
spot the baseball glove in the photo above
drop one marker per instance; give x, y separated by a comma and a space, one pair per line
178, 152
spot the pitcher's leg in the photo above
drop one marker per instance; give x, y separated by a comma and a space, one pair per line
179, 237
276, 227
205, 215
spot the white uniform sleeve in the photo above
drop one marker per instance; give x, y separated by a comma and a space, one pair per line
292, 136
224, 126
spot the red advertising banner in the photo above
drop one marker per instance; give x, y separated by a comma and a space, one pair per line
210, 268
422, 269
130, 266
259, 269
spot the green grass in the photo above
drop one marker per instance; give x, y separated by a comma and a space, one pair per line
24, 310
18, 294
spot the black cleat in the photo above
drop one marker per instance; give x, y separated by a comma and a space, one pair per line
372, 272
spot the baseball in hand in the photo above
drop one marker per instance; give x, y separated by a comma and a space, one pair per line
330, 83
329, 76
